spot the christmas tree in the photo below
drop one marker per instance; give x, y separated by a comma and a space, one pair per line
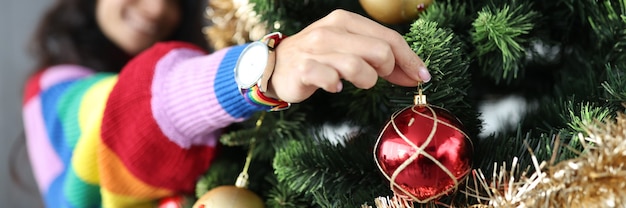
564, 57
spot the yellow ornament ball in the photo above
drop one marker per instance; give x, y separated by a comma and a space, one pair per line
229, 197
394, 11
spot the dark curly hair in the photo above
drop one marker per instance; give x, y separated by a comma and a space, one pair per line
69, 34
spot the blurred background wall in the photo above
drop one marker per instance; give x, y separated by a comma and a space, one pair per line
18, 19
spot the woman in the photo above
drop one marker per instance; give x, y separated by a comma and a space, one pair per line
127, 122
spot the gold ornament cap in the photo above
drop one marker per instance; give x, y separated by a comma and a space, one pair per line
420, 98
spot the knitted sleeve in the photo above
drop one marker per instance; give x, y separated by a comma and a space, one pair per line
124, 140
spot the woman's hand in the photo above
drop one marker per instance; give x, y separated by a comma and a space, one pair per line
342, 45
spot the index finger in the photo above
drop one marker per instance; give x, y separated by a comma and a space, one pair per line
405, 58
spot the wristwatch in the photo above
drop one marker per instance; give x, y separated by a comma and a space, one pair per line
256, 65
256, 62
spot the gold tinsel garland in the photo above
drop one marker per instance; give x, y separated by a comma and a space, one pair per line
232, 22
596, 178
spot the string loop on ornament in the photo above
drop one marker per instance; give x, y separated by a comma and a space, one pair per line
242, 179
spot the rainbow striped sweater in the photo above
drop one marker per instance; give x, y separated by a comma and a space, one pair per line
128, 139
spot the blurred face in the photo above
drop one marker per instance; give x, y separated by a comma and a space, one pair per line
134, 25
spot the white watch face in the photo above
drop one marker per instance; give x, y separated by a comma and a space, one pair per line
251, 64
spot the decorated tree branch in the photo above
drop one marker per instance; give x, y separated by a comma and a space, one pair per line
382, 148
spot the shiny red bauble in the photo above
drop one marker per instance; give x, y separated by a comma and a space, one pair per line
423, 152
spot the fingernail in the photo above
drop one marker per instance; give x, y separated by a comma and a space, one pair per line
424, 74
339, 87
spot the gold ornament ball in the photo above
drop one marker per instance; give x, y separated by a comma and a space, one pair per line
394, 11
229, 197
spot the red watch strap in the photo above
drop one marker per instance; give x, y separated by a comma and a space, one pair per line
273, 39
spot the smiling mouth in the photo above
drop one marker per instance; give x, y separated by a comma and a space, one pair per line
141, 24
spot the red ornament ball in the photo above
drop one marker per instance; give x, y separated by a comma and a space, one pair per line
423, 152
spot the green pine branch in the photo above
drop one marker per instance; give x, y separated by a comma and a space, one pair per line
317, 167
448, 14
444, 56
281, 196
584, 114
498, 36
556, 118
289, 17
608, 23
224, 170
615, 85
